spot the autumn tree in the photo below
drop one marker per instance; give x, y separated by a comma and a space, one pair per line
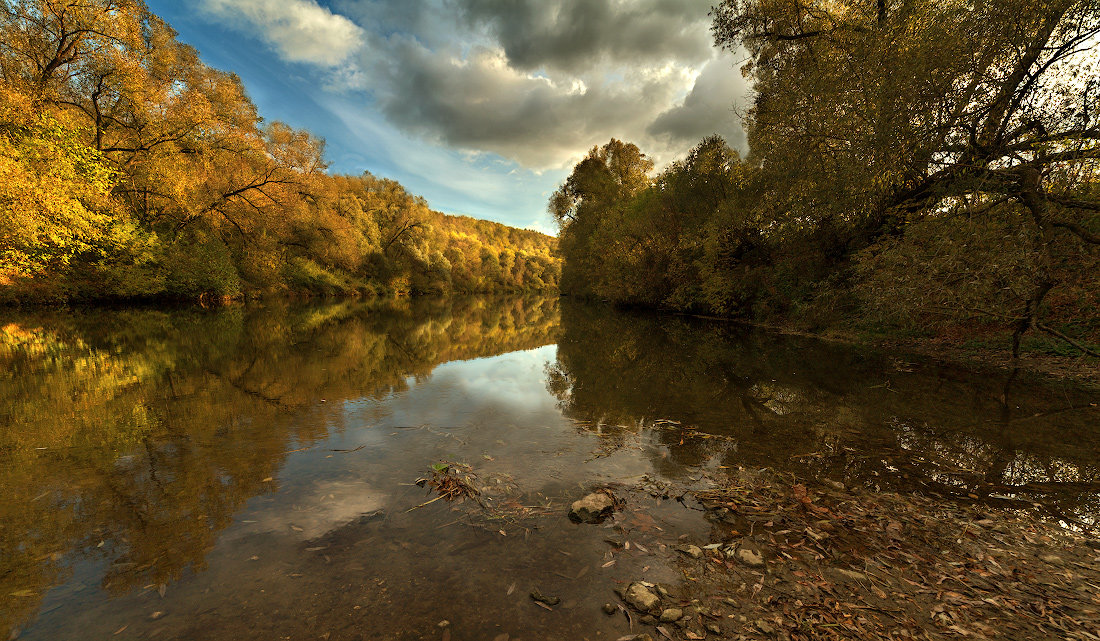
887, 124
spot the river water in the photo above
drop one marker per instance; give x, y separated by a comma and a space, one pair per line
250, 472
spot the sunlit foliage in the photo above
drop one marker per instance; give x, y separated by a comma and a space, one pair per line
132, 169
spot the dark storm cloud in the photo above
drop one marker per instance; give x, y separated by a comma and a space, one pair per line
708, 109
577, 35
536, 81
480, 102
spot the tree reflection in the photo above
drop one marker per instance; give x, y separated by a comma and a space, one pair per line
135, 436
827, 410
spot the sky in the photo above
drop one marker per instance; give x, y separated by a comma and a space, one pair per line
481, 106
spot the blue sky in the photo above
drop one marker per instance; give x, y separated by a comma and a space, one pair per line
480, 106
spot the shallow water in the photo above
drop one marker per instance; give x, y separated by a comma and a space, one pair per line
248, 473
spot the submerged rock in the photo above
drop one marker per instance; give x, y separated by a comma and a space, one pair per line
750, 558
671, 614
640, 597
694, 551
593, 508
609, 609
542, 598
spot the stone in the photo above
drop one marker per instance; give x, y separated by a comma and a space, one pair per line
593, 508
713, 628
694, 551
751, 558
609, 609
542, 598
764, 626
1052, 559
648, 620
671, 614
641, 597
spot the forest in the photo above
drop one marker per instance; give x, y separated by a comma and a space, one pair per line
915, 167
129, 169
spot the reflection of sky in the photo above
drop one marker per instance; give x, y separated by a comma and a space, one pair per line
494, 413
510, 384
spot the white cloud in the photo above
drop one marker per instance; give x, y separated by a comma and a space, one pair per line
299, 30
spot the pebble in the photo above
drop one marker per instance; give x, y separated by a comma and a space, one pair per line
694, 551
609, 609
671, 614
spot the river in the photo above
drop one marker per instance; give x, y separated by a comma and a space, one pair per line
250, 472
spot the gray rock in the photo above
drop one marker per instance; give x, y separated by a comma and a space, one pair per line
671, 614
593, 508
694, 551
750, 558
641, 597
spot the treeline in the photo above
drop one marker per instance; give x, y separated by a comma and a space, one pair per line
128, 168
914, 166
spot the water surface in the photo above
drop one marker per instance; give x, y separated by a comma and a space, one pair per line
248, 473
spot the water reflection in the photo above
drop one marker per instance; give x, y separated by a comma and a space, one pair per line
824, 409
246, 473
133, 437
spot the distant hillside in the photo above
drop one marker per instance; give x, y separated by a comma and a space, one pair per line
489, 256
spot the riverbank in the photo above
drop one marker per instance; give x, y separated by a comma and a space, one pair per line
788, 560
804, 559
